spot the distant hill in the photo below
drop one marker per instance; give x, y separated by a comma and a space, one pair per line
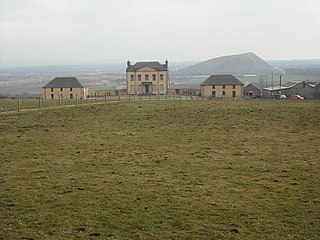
298, 66
241, 64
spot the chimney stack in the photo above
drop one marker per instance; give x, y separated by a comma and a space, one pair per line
128, 64
166, 62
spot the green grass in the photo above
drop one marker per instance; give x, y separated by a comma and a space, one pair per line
162, 170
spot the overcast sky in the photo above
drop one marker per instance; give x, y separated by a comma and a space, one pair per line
45, 32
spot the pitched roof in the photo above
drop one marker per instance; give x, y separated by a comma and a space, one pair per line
154, 65
221, 80
64, 82
251, 86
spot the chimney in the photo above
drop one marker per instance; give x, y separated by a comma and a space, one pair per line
128, 64
166, 62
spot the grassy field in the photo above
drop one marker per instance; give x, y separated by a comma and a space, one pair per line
162, 170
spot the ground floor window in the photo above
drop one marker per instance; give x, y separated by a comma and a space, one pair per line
161, 87
234, 93
71, 96
139, 88
52, 96
154, 88
132, 88
213, 93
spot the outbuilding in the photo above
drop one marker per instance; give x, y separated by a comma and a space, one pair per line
220, 86
64, 88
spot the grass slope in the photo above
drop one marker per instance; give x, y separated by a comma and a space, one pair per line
162, 170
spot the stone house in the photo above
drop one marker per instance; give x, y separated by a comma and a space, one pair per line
222, 86
64, 88
147, 78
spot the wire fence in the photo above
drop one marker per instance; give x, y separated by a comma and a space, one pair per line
7, 105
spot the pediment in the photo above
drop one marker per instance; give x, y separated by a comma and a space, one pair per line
146, 69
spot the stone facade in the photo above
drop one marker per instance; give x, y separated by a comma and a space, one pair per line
147, 78
222, 86
64, 88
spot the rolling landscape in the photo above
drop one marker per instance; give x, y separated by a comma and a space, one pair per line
159, 120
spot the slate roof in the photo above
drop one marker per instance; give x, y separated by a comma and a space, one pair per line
64, 82
154, 65
221, 80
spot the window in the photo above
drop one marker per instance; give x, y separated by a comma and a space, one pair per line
131, 77
52, 96
223, 93
71, 95
213, 86
139, 88
61, 89
132, 88
146, 77
161, 76
154, 88
234, 86
224, 86
51, 89
71, 89
161, 87
139, 77
213, 93
154, 77
234, 93
61, 95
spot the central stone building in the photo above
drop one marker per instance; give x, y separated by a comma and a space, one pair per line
147, 78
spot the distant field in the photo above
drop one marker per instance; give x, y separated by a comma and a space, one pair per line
162, 170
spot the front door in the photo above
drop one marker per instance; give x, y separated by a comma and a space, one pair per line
147, 88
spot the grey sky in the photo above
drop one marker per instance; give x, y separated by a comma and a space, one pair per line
41, 32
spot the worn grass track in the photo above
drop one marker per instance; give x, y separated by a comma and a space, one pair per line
162, 170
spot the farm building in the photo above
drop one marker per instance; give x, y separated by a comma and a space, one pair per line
302, 88
222, 86
251, 91
64, 88
147, 78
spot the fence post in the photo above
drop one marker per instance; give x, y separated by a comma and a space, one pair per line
76, 99
129, 96
39, 102
105, 97
59, 100
166, 96
19, 105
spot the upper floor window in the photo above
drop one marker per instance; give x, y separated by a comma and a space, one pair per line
131, 77
61, 89
161, 76
154, 77
139, 77
234, 86
224, 86
146, 77
71, 89
213, 86
51, 89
